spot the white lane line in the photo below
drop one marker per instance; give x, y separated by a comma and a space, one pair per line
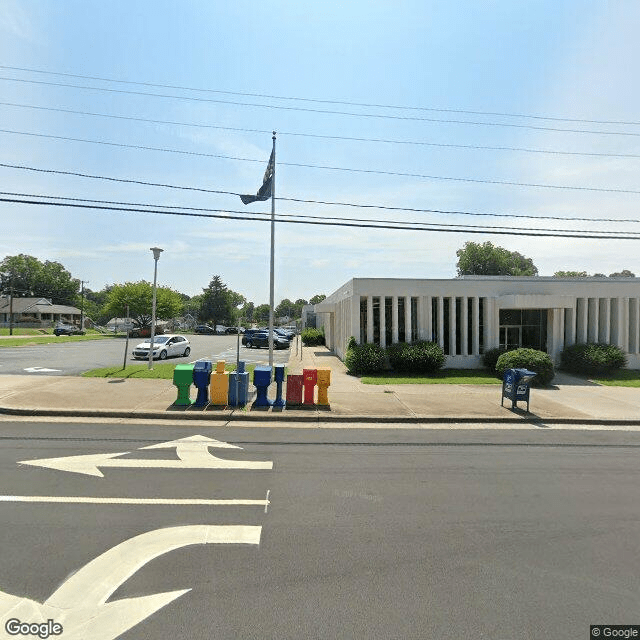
151, 501
266, 501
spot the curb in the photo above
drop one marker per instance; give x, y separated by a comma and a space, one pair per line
316, 417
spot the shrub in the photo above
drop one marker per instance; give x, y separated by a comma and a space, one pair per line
593, 358
312, 337
365, 358
531, 359
490, 357
419, 357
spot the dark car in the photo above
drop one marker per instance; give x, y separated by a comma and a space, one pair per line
205, 328
260, 339
145, 332
68, 330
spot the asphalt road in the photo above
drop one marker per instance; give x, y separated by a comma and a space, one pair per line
496, 534
72, 358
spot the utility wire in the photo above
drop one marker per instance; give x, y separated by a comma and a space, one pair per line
324, 111
321, 101
322, 202
510, 183
511, 232
304, 216
320, 136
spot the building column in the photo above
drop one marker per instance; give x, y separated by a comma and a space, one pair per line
623, 323
554, 322
605, 320
441, 322
407, 320
464, 327
452, 326
582, 319
634, 326
355, 319
394, 319
369, 319
383, 322
594, 317
475, 326
428, 320
570, 326
491, 324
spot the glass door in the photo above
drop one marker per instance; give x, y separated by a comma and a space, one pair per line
510, 337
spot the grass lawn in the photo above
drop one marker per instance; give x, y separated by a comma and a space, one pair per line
444, 376
622, 378
162, 371
48, 339
4, 331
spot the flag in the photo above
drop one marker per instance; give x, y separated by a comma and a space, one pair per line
264, 192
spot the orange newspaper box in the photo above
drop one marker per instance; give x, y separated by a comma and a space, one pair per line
310, 377
219, 385
324, 381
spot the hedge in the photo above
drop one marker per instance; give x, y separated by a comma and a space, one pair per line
531, 359
364, 358
312, 337
418, 357
593, 358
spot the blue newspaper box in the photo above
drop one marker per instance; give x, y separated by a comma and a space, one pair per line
201, 376
262, 380
516, 384
238, 380
279, 379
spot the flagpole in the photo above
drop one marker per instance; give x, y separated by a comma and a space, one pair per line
273, 226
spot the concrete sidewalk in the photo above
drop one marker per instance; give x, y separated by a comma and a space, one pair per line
570, 400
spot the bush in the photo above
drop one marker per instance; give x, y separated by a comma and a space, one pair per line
531, 359
593, 358
419, 357
365, 358
490, 357
312, 337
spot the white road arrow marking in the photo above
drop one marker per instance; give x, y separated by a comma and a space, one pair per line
42, 370
80, 603
192, 451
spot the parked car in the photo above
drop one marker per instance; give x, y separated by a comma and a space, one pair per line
260, 339
68, 330
205, 328
145, 332
164, 347
284, 333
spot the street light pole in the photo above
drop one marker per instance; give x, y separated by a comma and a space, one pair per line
156, 256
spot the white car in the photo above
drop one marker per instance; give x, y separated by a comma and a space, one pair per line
163, 347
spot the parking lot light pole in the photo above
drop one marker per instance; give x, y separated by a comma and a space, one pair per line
156, 256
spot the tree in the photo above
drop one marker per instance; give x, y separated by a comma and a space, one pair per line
247, 311
625, 273
29, 277
487, 260
261, 313
216, 303
139, 297
317, 299
286, 308
570, 274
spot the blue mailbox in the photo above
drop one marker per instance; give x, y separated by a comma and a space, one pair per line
279, 378
262, 380
238, 380
516, 384
201, 378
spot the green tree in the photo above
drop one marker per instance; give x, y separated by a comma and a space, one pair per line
625, 273
317, 299
570, 274
139, 297
29, 277
261, 313
488, 260
247, 311
285, 308
216, 303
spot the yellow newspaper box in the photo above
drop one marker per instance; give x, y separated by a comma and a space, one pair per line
324, 381
219, 387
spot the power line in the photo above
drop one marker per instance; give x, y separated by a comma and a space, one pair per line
511, 232
298, 215
423, 143
323, 111
322, 202
510, 183
323, 101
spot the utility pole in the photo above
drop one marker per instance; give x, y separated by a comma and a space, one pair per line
82, 283
11, 309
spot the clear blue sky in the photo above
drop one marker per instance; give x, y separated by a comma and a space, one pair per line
555, 58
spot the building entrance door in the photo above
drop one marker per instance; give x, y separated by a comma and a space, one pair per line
510, 337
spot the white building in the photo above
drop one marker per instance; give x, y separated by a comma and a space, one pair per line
468, 315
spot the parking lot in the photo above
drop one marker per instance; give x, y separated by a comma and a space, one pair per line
73, 358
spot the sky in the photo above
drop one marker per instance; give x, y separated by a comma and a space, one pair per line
441, 82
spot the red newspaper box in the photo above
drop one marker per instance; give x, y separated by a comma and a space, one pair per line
310, 379
294, 389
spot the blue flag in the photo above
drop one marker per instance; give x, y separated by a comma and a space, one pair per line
264, 192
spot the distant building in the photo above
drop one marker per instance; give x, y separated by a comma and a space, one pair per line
308, 316
468, 315
38, 312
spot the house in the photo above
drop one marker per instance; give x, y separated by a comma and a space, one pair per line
467, 316
36, 312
